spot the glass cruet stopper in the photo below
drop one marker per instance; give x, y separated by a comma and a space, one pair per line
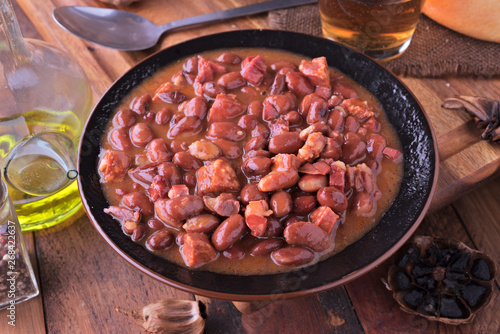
46, 99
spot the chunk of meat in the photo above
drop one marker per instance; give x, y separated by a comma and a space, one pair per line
224, 205
174, 211
325, 218
205, 74
317, 168
317, 72
357, 108
253, 69
284, 173
123, 214
278, 127
143, 174
114, 165
204, 150
337, 175
393, 154
225, 107
159, 188
316, 127
313, 147
360, 178
197, 250
275, 105
169, 93
256, 213
178, 190
217, 177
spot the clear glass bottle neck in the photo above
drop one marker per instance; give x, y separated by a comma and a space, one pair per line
13, 48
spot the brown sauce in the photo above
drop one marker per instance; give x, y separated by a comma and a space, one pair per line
351, 226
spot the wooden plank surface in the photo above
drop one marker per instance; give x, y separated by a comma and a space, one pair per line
82, 279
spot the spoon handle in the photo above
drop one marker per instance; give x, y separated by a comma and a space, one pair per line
234, 12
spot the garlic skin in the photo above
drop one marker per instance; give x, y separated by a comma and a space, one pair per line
169, 316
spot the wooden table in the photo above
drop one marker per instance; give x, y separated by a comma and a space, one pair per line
82, 279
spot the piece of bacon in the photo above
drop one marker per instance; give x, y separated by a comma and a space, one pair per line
253, 69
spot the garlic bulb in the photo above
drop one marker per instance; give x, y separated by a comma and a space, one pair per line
170, 316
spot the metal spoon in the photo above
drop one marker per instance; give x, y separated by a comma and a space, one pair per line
127, 31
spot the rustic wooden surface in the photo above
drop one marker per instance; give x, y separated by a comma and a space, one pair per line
82, 279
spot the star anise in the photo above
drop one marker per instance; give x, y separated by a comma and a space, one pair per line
486, 113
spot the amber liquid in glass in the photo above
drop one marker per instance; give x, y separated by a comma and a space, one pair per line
381, 29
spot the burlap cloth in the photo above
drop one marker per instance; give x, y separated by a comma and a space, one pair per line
435, 51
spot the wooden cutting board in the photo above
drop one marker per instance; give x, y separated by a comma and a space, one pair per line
465, 160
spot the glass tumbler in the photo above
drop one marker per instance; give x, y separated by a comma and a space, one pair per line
381, 29
17, 279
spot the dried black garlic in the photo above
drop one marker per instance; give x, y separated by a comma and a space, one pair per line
441, 279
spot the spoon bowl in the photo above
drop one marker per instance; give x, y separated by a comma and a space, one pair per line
121, 30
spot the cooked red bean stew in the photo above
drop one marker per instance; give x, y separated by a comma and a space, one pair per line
249, 161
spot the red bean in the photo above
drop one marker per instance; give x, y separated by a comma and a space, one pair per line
141, 103
186, 161
138, 233
302, 205
141, 134
160, 240
353, 148
234, 252
229, 58
204, 223
375, 145
124, 118
257, 165
307, 234
190, 124
333, 198
197, 106
248, 122
292, 256
274, 228
229, 148
231, 80
212, 89
299, 84
120, 139
138, 201
293, 118
178, 146
255, 144
189, 179
226, 130
158, 151
288, 142
228, 232
351, 124
251, 192
260, 130
266, 247
363, 204
155, 224
281, 203
255, 108
171, 172
279, 85
317, 111
191, 65
336, 119
312, 183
